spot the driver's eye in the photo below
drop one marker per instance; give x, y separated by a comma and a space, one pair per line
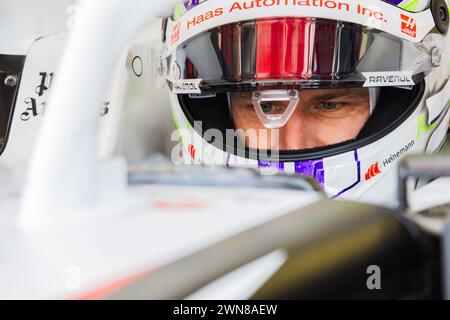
330, 105
273, 107
267, 107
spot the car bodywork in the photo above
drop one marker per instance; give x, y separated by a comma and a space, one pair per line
77, 222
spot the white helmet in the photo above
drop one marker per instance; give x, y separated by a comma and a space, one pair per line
342, 89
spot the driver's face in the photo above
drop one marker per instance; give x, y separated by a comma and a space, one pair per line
323, 117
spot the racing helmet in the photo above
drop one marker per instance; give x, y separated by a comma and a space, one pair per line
336, 90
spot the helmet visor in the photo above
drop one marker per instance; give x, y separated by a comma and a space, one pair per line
298, 123
286, 120
305, 52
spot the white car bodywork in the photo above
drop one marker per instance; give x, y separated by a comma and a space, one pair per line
62, 250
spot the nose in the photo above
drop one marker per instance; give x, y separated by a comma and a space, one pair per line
294, 135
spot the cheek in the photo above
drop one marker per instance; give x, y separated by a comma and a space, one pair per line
236, 119
245, 119
348, 128
328, 132
240, 121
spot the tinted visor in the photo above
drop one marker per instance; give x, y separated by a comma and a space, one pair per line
305, 52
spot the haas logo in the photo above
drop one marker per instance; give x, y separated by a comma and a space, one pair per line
175, 33
409, 25
373, 171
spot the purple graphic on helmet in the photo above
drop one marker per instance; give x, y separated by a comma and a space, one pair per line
189, 4
394, 2
271, 165
310, 168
